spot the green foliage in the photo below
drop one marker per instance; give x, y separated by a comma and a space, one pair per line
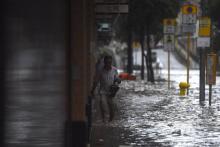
146, 14
121, 28
150, 14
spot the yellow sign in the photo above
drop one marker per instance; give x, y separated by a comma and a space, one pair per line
189, 9
171, 22
169, 26
204, 27
211, 69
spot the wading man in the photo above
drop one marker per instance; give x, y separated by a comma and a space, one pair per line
107, 77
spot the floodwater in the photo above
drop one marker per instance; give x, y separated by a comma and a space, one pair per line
160, 117
152, 115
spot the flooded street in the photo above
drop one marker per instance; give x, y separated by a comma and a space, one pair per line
152, 115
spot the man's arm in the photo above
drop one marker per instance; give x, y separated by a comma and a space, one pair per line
95, 83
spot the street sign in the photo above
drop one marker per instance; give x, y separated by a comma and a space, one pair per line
169, 29
188, 28
189, 14
204, 27
189, 19
168, 42
211, 69
189, 9
169, 26
114, 8
203, 42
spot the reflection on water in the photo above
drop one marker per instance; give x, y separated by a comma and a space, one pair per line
153, 114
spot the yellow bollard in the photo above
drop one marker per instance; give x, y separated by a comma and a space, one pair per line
183, 86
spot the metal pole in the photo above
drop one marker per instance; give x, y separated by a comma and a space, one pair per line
168, 68
136, 57
202, 76
130, 49
188, 62
130, 52
202, 63
210, 94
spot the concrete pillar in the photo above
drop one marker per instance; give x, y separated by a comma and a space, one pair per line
79, 72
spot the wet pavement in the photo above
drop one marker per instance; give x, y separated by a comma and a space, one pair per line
35, 114
151, 115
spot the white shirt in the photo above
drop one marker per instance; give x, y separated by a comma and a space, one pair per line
106, 79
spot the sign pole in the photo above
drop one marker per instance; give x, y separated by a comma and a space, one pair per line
168, 68
169, 31
210, 94
188, 62
204, 31
189, 19
202, 76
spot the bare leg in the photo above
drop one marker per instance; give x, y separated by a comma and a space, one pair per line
102, 110
111, 108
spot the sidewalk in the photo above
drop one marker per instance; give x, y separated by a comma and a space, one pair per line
104, 134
